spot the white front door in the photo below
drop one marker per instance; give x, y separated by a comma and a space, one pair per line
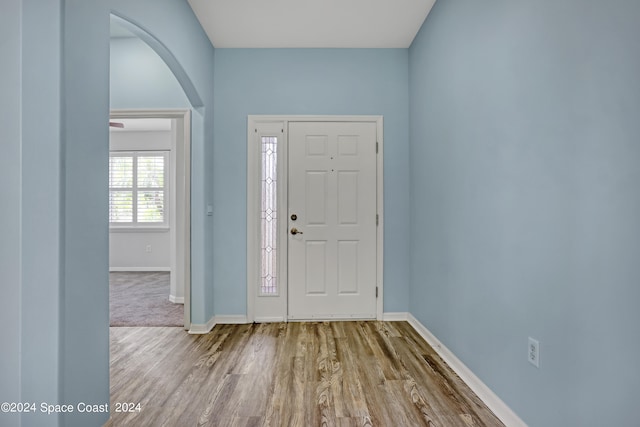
332, 220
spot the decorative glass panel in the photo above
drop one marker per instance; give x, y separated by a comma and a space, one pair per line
269, 217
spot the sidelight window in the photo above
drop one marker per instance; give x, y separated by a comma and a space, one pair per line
269, 216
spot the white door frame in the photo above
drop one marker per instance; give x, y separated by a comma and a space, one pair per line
181, 237
254, 122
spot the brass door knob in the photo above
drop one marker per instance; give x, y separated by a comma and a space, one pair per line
295, 231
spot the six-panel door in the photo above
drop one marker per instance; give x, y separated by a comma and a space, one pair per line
332, 240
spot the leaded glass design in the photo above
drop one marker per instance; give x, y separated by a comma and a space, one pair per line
269, 217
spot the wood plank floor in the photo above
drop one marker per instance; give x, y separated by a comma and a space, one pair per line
288, 374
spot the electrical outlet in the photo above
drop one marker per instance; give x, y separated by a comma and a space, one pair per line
148, 249
533, 352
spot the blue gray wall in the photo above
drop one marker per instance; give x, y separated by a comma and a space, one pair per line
41, 205
306, 81
140, 79
84, 355
54, 246
56, 286
178, 39
510, 178
525, 203
11, 212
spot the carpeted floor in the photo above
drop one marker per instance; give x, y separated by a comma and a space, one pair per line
142, 299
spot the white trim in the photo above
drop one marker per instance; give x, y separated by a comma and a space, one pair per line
252, 197
137, 229
135, 189
493, 402
197, 329
253, 240
380, 229
313, 118
180, 223
395, 317
274, 319
330, 318
265, 305
231, 319
176, 300
138, 269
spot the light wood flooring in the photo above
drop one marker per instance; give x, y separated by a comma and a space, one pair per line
288, 374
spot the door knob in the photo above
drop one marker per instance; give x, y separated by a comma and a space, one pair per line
295, 231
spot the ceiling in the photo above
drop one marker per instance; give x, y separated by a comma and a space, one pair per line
311, 23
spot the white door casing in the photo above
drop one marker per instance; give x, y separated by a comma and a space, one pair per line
180, 216
332, 196
354, 268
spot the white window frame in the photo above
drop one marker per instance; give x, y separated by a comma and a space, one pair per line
135, 225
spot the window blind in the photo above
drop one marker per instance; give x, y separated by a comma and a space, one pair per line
137, 188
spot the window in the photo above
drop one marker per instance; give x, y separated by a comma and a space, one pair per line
138, 188
269, 216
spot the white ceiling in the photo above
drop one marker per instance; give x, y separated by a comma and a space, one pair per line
311, 23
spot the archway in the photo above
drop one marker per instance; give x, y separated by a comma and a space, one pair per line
177, 108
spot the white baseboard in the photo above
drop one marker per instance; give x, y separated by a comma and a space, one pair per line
234, 319
176, 300
196, 329
395, 317
274, 319
136, 269
493, 402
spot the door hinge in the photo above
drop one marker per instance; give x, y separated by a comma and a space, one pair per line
377, 146
376, 292
377, 219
